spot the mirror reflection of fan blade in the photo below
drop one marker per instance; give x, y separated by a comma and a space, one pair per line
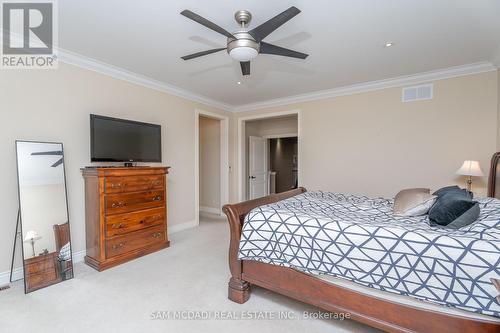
199, 54
245, 67
48, 153
263, 30
203, 21
266, 48
57, 163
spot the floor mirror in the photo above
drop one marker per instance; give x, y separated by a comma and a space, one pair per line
44, 218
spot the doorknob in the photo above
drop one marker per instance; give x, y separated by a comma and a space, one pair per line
252, 177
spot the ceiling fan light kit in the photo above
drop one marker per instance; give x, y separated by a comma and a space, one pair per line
244, 45
243, 48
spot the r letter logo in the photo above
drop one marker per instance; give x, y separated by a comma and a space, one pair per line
29, 35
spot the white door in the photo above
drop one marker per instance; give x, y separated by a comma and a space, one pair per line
257, 167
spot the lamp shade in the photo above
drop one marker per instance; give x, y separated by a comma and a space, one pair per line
31, 235
470, 168
243, 53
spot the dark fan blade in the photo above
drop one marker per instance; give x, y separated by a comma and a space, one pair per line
199, 54
57, 163
245, 67
263, 30
266, 48
48, 153
203, 21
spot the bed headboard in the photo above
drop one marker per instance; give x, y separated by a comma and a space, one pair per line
61, 233
493, 180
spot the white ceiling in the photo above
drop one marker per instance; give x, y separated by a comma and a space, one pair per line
344, 40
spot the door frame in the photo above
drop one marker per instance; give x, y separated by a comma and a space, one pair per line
242, 146
224, 159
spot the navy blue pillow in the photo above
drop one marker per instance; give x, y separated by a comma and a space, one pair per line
466, 218
449, 206
452, 189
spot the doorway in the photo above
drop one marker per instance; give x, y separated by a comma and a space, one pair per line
283, 158
269, 158
211, 163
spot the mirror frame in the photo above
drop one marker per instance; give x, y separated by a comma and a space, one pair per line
21, 214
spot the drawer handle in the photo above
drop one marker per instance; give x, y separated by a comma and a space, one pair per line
156, 217
156, 182
118, 226
156, 235
157, 198
116, 185
118, 204
118, 246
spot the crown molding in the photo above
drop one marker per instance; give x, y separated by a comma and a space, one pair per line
474, 68
116, 72
79, 60
132, 77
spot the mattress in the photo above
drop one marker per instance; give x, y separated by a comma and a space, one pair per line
359, 239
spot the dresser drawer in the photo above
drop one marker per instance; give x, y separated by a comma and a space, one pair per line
41, 271
136, 240
120, 224
41, 263
41, 279
134, 183
129, 202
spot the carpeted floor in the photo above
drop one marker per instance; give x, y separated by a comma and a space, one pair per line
187, 281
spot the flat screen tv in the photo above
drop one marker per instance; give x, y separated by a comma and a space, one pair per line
120, 140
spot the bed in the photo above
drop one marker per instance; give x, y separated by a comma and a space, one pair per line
454, 289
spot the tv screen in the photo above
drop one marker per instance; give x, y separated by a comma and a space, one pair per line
120, 140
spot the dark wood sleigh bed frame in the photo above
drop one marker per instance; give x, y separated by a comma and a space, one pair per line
373, 311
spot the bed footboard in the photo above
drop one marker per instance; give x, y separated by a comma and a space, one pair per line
239, 289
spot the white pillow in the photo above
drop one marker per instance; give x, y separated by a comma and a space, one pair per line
413, 202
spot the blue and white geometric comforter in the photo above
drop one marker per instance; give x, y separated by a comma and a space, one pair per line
359, 239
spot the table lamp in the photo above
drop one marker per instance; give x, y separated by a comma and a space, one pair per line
32, 236
471, 169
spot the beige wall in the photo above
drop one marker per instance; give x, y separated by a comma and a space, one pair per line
272, 126
209, 163
368, 143
54, 105
371, 143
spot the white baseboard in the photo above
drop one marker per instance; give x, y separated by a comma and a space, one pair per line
210, 210
79, 256
17, 273
181, 227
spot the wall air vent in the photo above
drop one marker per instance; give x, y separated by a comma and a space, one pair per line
418, 93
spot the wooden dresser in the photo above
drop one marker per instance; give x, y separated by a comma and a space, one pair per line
125, 214
41, 271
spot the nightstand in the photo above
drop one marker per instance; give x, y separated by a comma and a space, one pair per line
41, 271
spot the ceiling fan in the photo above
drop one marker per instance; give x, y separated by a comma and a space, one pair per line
51, 153
243, 45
